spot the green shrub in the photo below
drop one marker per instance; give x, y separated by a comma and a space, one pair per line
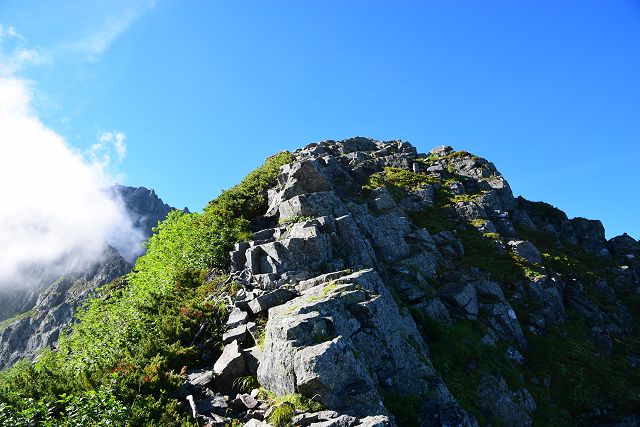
398, 181
582, 378
282, 415
434, 220
405, 408
246, 384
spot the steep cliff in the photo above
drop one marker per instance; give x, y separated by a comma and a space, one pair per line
367, 285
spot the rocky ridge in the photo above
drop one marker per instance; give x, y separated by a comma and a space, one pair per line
399, 288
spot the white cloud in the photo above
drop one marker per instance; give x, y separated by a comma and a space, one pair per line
14, 56
98, 42
108, 141
9, 32
109, 22
55, 209
53, 201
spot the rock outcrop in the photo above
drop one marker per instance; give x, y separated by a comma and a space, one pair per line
366, 251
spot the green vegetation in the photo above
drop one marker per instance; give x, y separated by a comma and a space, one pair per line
246, 384
581, 377
433, 220
459, 356
459, 198
477, 223
454, 154
445, 198
286, 407
282, 415
481, 250
403, 407
294, 219
398, 181
122, 363
260, 332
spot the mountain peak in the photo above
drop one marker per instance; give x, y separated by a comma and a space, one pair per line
362, 283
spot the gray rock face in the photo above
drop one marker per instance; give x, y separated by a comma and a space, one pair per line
144, 206
345, 289
462, 298
545, 303
329, 340
381, 200
341, 337
375, 421
624, 246
229, 366
590, 234
271, 299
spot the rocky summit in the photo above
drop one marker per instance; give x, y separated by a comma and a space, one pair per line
379, 286
399, 288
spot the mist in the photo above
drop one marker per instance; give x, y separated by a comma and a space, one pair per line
55, 209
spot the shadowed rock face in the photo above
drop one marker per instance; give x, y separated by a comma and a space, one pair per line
33, 315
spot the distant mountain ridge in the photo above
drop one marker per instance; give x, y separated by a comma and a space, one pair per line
33, 315
144, 206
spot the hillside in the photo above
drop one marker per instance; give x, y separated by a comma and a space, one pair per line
355, 283
33, 314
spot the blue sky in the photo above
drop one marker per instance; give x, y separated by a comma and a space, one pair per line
202, 91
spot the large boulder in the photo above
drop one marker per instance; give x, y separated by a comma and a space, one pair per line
526, 250
229, 366
461, 297
295, 179
624, 246
344, 340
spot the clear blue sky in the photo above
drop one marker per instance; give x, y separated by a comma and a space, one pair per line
205, 91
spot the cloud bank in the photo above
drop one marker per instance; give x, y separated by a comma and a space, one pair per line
53, 203
56, 210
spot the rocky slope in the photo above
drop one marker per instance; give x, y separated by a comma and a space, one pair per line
398, 288
32, 316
